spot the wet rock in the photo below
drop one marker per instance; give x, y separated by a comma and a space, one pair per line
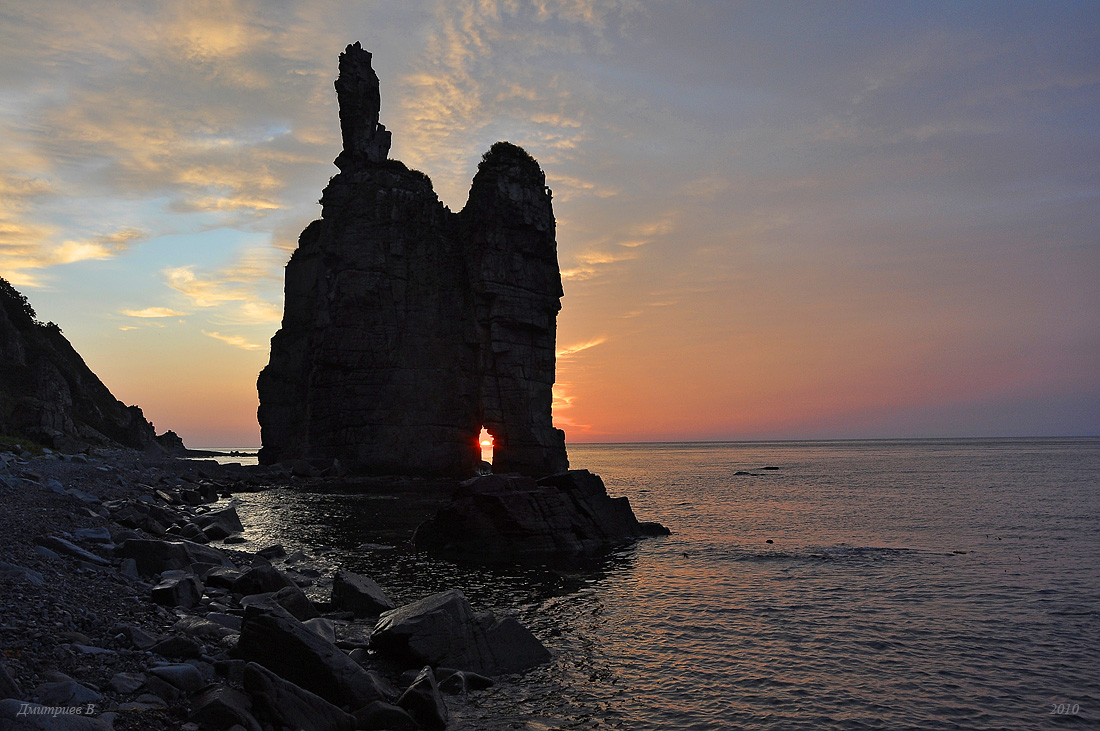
461, 682
272, 552
443, 629
273, 638
218, 524
382, 715
221, 577
280, 701
222, 707
424, 702
184, 591
260, 580
359, 594
194, 533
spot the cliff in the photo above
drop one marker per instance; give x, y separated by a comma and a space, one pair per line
406, 327
49, 395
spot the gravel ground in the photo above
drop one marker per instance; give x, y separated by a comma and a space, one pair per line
64, 617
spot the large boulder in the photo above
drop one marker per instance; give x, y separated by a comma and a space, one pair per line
261, 579
218, 524
178, 591
444, 630
272, 637
281, 702
359, 594
511, 518
290, 598
154, 557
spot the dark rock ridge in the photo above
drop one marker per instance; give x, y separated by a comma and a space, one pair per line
50, 396
406, 327
511, 518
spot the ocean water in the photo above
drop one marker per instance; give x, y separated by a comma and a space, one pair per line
878, 584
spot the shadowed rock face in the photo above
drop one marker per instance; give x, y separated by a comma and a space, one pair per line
406, 327
48, 393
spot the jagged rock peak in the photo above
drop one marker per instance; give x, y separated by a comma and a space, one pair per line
407, 327
365, 140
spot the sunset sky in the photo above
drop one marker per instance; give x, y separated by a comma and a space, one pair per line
775, 219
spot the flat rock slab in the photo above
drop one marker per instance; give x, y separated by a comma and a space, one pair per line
154, 556
62, 546
272, 637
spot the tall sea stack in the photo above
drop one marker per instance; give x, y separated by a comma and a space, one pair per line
406, 327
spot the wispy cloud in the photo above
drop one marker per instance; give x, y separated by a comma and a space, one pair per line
26, 249
580, 347
477, 79
236, 341
249, 285
563, 401
154, 312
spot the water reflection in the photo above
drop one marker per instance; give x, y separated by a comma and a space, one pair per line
369, 530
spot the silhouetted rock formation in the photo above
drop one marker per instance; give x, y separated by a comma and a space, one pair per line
406, 327
49, 395
509, 518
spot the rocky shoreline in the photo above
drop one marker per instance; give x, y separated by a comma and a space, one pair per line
126, 602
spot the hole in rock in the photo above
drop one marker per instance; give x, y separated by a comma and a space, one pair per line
485, 440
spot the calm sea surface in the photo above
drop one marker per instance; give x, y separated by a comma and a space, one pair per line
879, 584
